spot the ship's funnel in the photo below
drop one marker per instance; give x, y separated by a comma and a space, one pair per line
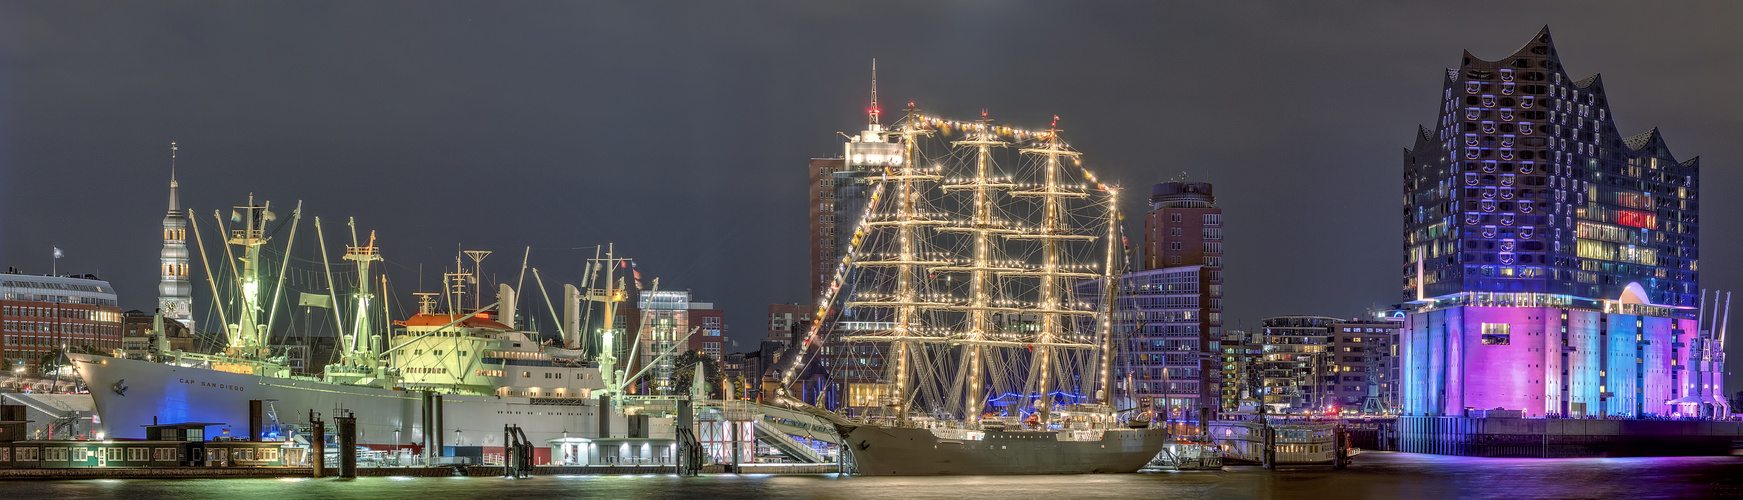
571, 317
506, 305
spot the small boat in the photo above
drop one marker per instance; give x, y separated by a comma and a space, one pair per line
1196, 453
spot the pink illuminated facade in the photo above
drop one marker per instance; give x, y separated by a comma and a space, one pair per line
1552, 355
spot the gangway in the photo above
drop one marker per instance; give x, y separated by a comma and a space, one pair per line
58, 406
792, 447
690, 454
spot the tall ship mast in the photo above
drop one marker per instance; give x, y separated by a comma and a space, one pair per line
977, 272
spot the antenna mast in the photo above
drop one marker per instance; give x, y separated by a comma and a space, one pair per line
874, 96
426, 302
477, 259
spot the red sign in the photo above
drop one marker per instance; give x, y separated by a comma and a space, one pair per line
1636, 219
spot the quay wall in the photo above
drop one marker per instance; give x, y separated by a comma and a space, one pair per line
580, 470
209, 472
1565, 438
475, 471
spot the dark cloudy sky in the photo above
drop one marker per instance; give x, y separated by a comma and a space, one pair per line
680, 130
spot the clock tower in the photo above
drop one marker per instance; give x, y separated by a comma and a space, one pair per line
175, 293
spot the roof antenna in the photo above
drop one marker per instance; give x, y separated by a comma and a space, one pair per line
874, 102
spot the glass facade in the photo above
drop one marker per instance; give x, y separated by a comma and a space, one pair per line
1524, 184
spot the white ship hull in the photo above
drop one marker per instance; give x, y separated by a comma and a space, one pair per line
897, 451
130, 394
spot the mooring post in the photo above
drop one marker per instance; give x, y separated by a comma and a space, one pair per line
1341, 453
1269, 456
347, 446
318, 445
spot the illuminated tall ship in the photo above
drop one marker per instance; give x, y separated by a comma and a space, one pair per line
974, 271
432, 379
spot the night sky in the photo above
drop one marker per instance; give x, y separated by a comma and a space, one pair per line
680, 131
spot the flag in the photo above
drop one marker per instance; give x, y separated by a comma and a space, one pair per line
57, 253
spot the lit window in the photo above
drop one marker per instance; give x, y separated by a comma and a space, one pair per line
1496, 333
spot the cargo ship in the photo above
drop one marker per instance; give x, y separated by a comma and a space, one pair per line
433, 379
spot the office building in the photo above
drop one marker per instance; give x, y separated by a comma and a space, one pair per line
1183, 228
1171, 309
789, 321
1242, 353
667, 321
41, 314
137, 341
841, 189
1297, 368
1364, 359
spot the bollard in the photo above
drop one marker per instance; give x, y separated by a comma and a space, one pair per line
318, 445
347, 446
1269, 456
1341, 448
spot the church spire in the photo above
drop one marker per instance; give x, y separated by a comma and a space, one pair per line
174, 200
175, 293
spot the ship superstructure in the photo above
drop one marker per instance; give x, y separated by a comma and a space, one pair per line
975, 272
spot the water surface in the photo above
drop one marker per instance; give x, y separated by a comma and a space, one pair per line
1374, 475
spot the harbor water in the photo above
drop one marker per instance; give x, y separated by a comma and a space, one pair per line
1373, 475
